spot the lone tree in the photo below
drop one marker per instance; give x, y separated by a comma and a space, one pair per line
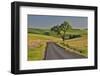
61, 29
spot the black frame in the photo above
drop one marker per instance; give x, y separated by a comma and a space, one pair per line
15, 33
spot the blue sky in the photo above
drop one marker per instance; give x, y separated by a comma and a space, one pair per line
47, 21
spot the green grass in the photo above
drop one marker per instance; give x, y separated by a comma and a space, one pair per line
44, 31
77, 32
36, 53
37, 31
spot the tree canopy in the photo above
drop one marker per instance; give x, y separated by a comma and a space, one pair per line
61, 29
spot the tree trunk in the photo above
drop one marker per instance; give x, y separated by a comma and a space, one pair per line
63, 40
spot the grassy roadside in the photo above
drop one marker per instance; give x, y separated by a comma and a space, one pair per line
78, 45
36, 53
37, 46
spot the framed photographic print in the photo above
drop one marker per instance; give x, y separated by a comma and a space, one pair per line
52, 37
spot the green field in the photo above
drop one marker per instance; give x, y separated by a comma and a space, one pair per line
38, 38
48, 32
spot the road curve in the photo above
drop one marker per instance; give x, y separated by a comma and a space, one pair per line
54, 52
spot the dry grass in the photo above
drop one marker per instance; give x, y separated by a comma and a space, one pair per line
78, 44
37, 45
